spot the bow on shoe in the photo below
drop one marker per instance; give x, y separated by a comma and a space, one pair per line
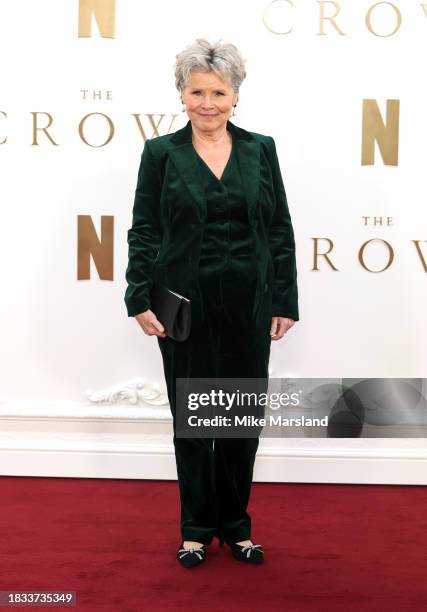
252, 547
196, 551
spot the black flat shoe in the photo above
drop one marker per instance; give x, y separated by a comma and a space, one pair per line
252, 553
192, 556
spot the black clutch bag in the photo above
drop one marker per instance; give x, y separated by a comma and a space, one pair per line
172, 310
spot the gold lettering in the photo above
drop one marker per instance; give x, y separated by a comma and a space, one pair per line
374, 130
368, 19
417, 246
323, 17
88, 244
44, 129
362, 250
104, 12
153, 125
110, 123
316, 254
276, 14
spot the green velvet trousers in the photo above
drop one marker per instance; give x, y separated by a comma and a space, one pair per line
215, 475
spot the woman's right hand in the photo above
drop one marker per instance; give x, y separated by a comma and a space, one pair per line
150, 324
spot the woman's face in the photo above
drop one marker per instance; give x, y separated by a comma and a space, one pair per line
208, 99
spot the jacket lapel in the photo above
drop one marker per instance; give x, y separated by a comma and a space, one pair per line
184, 156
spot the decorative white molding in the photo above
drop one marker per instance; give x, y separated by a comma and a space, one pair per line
140, 392
136, 391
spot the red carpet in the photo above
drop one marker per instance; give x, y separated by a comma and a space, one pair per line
328, 547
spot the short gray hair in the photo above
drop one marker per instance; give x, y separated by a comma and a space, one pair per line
202, 55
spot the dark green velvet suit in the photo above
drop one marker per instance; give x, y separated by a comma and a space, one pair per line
228, 245
168, 217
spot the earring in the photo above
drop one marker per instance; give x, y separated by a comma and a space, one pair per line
183, 107
233, 111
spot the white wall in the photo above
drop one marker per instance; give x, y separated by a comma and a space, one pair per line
61, 337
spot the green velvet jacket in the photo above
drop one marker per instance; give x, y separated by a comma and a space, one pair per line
168, 217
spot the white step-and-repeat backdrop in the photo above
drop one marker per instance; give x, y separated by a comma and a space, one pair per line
341, 88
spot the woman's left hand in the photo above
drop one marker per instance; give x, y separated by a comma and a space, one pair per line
279, 327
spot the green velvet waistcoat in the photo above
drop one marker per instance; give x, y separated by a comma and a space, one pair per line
227, 234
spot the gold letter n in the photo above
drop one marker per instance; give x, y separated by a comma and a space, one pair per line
374, 130
88, 244
105, 15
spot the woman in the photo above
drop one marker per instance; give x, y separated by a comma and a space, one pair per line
211, 222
